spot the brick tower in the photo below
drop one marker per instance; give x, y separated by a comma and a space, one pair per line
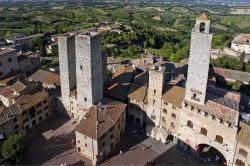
198, 63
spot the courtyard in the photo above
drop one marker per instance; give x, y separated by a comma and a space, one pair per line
52, 142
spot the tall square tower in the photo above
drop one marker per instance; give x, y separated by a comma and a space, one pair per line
89, 66
155, 89
198, 63
67, 64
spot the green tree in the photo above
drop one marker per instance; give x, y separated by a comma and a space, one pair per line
42, 51
35, 43
247, 67
237, 85
13, 147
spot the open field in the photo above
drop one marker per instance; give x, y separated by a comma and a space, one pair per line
241, 11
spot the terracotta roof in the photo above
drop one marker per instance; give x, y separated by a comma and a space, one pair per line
244, 134
242, 39
26, 101
4, 51
98, 121
230, 75
46, 77
221, 107
112, 60
174, 95
18, 86
203, 17
5, 92
118, 86
139, 88
138, 92
8, 113
5, 81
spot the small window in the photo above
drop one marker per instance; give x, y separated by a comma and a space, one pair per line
204, 131
111, 136
153, 101
1, 73
9, 60
219, 139
40, 118
173, 115
154, 91
81, 67
165, 111
78, 141
239, 162
85, 99
174, 107
86, 145
103, 144
190, 124
243, 153
46, 114
172, 125
163, 119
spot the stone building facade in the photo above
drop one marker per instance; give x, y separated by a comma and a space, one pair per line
100, 131
81, 63
67, 63
241, 43
200, 117
89, 69
26, 111
8, 61
199, 58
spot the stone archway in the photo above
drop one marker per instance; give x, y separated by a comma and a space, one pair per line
211, 154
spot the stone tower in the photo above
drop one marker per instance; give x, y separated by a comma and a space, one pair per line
155, 89
67, 63
198, 63
89, 74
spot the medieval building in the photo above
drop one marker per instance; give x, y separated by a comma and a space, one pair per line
199, 117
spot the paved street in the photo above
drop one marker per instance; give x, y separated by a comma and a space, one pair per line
50, 143
147, 150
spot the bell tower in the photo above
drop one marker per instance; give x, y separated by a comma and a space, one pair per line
198, 63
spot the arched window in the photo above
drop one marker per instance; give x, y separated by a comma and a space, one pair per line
219, 139
204, 131
190, 124
165, 111
239, 162
202, 27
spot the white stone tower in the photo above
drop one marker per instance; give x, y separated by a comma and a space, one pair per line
89, 73
155, 89
198, 63
67, 63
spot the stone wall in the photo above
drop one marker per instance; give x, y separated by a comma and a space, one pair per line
199, 58
89, 70
67, 64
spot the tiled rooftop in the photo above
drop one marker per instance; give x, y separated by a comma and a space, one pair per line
46, 77
98, 121
242, 39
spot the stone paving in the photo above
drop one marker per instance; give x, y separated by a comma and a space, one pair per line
52, 143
